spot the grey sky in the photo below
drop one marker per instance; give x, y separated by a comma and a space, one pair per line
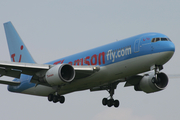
56, 28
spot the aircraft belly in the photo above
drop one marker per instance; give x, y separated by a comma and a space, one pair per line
39, 90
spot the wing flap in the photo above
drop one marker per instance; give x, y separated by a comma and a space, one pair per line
133, 80
10, 72
14, 69
106, 86
12, 83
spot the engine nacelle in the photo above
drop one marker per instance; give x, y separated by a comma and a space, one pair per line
60, 74
150, 84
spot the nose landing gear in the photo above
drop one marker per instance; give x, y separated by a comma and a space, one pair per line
156, 69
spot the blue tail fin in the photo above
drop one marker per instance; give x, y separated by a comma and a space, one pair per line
17, 49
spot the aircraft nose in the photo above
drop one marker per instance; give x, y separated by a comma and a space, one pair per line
170, 47
166, 51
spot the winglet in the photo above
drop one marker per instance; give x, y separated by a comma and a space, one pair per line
17, 49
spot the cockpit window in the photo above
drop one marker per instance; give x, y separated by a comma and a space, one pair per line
157, 39
154, 40
168, 39
164, 39
160, 39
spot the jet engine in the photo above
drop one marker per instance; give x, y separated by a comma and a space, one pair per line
60, 74
149, 83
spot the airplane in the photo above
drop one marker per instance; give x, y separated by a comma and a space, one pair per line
101, 68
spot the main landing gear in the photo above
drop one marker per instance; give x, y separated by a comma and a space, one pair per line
56, 98
110, 102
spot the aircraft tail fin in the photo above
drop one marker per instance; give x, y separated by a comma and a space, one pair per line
17, 49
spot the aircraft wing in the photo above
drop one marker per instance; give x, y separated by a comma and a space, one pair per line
12, 83
130, 81
15, 69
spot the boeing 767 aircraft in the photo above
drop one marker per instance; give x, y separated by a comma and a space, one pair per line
101, 68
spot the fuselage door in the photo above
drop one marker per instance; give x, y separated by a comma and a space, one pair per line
136, 45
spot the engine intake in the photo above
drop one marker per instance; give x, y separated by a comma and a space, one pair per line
162, 80
150, 84
60, 74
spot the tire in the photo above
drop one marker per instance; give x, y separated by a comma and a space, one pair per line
50, 97
116, 103
104, 101
55, 99
110, 102
62, 99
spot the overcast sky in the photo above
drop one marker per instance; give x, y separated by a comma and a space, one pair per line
52, 29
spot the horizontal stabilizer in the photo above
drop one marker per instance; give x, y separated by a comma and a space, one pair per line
12, 83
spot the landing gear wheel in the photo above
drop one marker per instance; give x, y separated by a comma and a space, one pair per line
55, 98
110, 102
50, 97
61, 99
104, 101
116, 103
